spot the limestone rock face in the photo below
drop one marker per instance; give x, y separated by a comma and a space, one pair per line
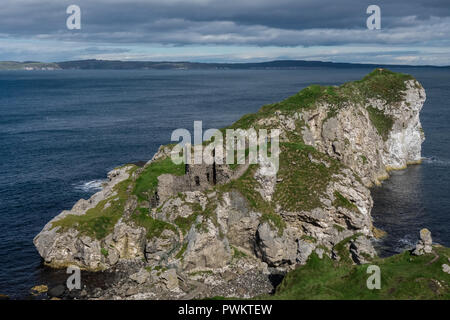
276, 249
205, 249
424, 245
129, 241
361, 250
170, 279
351, 137
59, 249
304, 250
218, 218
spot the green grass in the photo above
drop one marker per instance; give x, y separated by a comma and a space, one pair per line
342, 250
185, 223
403, 276
308, 238
343, 202
104, 252
99, 221
338, 227
154, 227
237, 254
364, 159
275, 221
382, 122
246, 185
303, 182
182, 251
382, 84
147, 182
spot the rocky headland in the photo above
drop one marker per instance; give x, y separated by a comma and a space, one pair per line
166, 231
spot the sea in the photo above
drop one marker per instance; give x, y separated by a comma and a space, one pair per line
62, 131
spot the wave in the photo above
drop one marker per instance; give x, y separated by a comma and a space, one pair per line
436, 161
408, 242
90, 186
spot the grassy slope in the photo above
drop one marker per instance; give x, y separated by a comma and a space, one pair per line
403, 276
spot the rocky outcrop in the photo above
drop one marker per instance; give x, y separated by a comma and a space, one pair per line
167, 224
71, 247
424, 245
374, 137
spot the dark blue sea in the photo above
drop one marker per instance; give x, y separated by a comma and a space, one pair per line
62, 131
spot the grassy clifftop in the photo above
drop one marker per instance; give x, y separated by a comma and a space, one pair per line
380, 84
403, 276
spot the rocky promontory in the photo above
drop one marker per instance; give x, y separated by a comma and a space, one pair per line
186, 231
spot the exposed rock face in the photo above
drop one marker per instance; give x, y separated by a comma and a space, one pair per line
362, 250
60, 249
231, 222
351, 137
424, 245
274, 249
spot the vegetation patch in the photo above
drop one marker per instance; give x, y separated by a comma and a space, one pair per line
403, 276
364, 159
384, 84
343, 202
237, 254
99, 221
380, 84
153, 226
104, 252
182, 251
275, 221
147, 182
308, 238
342, 249
302, 181
382, 122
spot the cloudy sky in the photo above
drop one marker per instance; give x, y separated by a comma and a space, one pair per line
412, 31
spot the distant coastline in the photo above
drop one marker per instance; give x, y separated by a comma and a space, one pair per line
169, 65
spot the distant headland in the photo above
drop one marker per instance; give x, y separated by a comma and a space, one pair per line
94, 64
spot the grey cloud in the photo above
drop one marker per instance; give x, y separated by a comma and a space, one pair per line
110, 25
212, 21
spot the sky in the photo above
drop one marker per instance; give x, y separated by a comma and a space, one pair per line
412, 31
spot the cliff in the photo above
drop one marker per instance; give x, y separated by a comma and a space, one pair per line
177, 229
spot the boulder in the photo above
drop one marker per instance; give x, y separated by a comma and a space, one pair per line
361, 250
424, 245
446, 268
273, 248
304, 250
141, 276
57, 291
170, 279
36, 290
205, 248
